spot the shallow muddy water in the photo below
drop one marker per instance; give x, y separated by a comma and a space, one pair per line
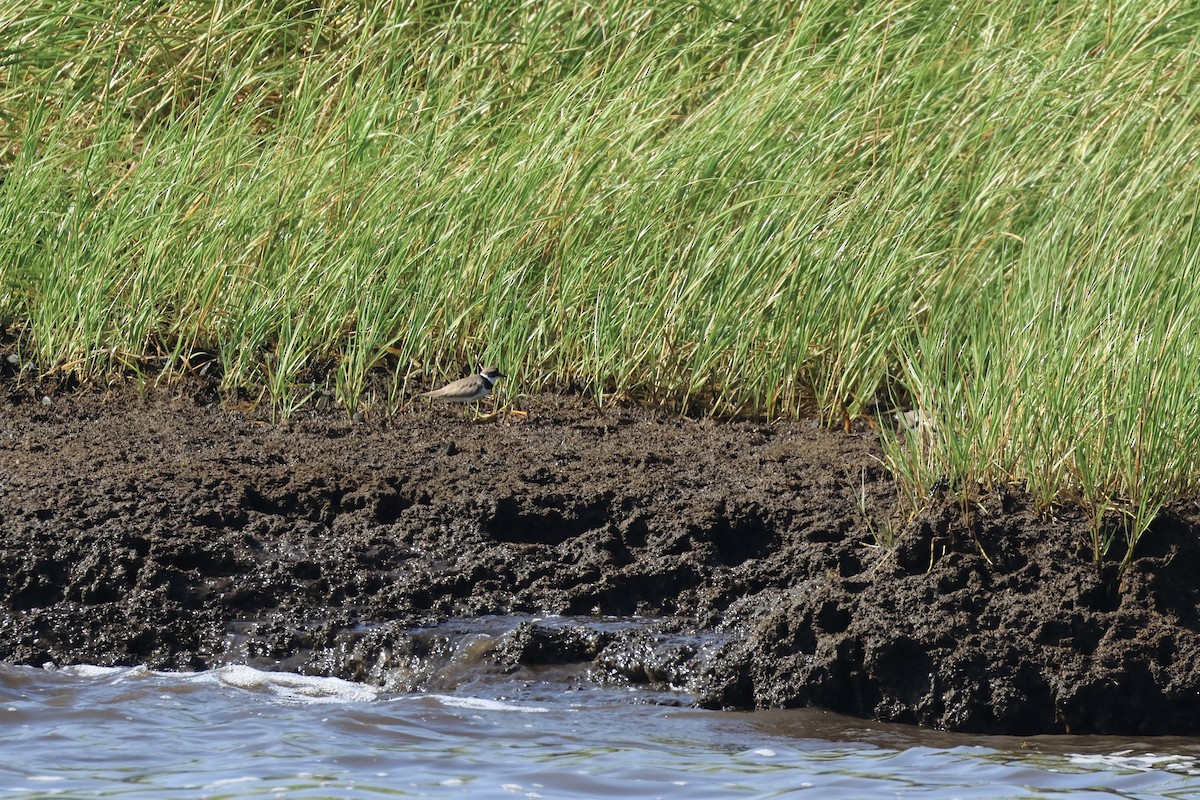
236, 732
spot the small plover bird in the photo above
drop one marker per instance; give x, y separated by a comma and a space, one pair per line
467, 390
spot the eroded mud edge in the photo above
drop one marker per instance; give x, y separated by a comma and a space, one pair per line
158, 530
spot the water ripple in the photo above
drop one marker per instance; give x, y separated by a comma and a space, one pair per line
237, 732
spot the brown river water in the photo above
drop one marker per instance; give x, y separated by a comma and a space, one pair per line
237, 732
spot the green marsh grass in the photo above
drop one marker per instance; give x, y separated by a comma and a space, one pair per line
982, 210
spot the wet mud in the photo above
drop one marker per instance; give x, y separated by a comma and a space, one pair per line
737, 561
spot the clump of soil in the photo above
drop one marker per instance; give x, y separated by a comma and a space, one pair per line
158, 530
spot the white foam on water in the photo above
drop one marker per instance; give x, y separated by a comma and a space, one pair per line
285, 685
230, 781
293, 687
1122, 760
93, 671
482, 704
288, 686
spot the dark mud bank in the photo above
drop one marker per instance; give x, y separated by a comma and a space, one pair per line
166, 533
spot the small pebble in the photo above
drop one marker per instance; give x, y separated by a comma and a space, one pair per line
13, 359
46, 401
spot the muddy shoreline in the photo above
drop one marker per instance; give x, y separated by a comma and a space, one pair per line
160, 529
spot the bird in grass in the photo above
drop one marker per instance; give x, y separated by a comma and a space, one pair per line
467, 390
